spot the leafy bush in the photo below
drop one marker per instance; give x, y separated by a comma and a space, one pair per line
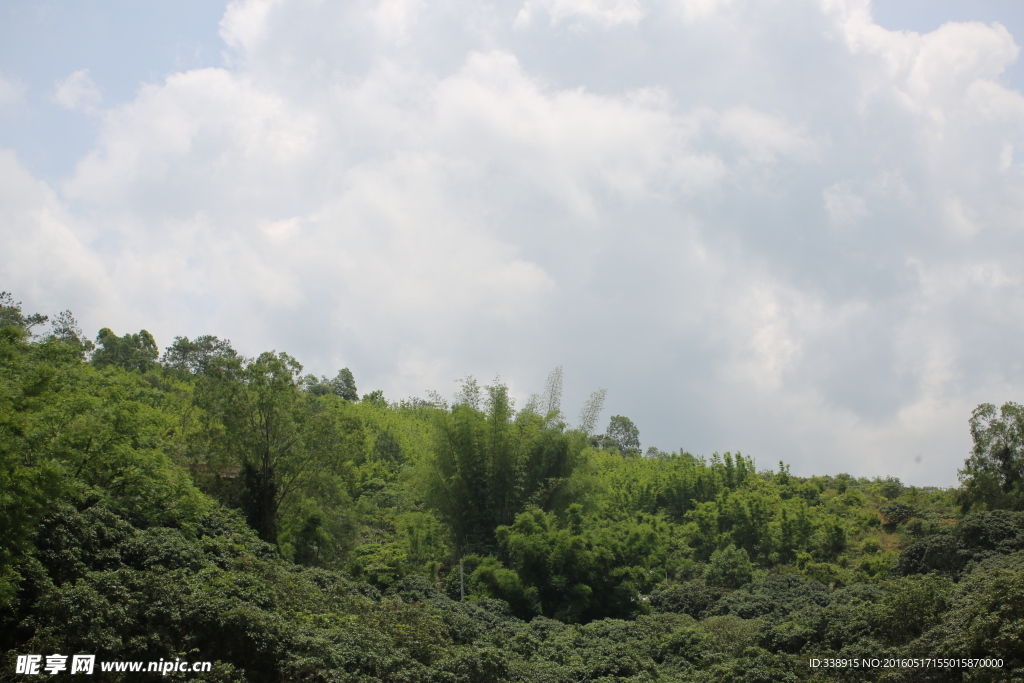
693, 598
729, 568
975, 538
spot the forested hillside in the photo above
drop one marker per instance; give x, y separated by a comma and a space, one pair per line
193, 503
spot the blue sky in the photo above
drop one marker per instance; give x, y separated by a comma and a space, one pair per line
792, 229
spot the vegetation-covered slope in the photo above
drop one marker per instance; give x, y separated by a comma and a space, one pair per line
205, 506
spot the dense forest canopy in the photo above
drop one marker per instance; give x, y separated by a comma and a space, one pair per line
198, 504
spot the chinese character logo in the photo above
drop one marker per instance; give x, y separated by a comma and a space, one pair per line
28, 664
82, 664
55, 663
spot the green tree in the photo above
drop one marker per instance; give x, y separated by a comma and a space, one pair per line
345, 385
729, 568
11, 314
623, 435
983, 616
584, 568
342, 386
376, 398
65, 328
795, 528
71, 433
993, 475
487, 465
131, 352
195, 356
263, 424
29, 480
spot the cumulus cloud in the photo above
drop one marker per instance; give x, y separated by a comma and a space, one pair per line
47, 254
764, 136
77, 92
806, 253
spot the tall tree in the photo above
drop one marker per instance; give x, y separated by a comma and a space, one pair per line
624, 435
993, 475
549, 404
131, 352
591, 411
11, 314
345, 385
65, 328
553, 392
195, 356
266, 426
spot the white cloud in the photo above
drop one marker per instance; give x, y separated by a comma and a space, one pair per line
799, 241
77, 92
245, 22
764, 136
604, 13
690, 11
12, 91
957, 55
931, 74
394, 19
201, 132
572, 145
845, 208
47, 253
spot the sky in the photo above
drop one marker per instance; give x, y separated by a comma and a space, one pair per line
791, 229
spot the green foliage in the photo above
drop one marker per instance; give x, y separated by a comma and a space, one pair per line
65, 329
376, 398
911, 606
729, 568
28, 479
832, 537
69, 431
890, 487
131, 352
693, 598
673, 485
195, 356
319, 531
11, 315
993, 476
487, 465
984, 617
795, 528
492, 580
777, 595
826, 573
623, 435
976, 538
281, 440
218, 507
342, 386
686, 646
896, 512
578, 571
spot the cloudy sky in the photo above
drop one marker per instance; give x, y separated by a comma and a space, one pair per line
792, 228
